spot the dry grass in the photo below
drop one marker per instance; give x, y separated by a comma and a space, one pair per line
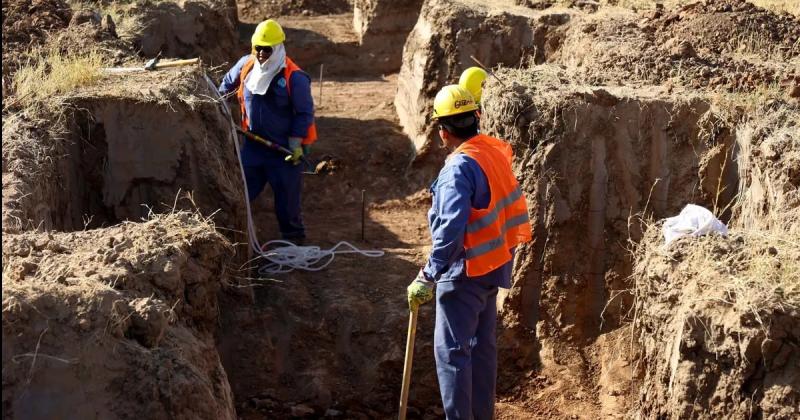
752, 271
52, 73
779, 6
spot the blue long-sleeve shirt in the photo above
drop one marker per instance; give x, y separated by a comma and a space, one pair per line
460, 186
275, 115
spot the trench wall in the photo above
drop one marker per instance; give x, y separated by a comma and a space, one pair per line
442, 41
591, 160
382, 27
112, 263
122, 158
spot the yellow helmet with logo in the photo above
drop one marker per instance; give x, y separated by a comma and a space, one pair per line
453, 100
472, 80
268, 34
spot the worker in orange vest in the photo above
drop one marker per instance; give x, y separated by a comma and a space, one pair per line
477, 219
275, 99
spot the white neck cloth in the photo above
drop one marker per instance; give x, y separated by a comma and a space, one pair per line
259, 78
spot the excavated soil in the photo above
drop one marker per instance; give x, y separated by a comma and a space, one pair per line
26, 23
279, 8
115, 323
726, 45
719, 330
590, 159
440, 46
183, 29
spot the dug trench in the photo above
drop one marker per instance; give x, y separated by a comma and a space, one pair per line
590, 160
331, 343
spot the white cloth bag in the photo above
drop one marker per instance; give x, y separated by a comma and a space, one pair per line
693, 220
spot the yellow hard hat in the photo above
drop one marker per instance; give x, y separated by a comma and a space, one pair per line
472, 80
268, 34
453, 100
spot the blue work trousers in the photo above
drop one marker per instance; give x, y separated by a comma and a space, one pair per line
465, 348
286, 180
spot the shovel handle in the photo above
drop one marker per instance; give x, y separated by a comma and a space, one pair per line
412, 332
177, 63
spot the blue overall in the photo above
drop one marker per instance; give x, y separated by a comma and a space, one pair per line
275, 116
466, 312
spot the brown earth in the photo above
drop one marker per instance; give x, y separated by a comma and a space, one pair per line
115, 323
710, 347
614, 47
591, 160
140, 143
26, 23
272, 9
183, 29
382, 27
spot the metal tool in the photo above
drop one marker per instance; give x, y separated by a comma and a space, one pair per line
412, 333
278, 147
153, 64
488, 70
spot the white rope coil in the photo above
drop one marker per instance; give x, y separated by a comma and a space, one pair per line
288, 257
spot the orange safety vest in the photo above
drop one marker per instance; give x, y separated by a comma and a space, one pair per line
290, 68
492, 232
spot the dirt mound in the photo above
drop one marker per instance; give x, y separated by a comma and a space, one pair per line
115, 323
729, 26
718, 321
120, 150
277, 8
439, 49
618, 47
204, 28
728, 45
27, 23
383, 26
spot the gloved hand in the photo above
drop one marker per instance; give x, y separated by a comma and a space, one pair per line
420, 291
297, 150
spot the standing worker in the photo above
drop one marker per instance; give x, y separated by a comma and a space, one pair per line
275, 99
472, 79
477, 219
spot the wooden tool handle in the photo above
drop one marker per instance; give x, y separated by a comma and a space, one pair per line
177, 63
412, 332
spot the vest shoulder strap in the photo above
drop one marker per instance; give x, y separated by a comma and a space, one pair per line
246, 69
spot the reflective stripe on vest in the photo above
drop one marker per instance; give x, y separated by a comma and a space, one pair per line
492, 232
291, 67
485, 247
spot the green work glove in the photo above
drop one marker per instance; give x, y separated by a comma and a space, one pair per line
420, 291
295, 145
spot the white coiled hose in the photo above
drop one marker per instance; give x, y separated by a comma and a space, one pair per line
286, 256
